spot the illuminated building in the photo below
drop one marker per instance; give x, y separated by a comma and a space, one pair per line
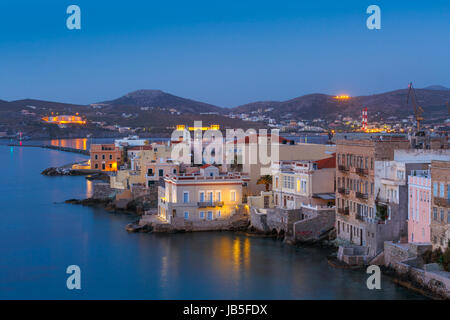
342, 97
105, 157
205, 195
64, 119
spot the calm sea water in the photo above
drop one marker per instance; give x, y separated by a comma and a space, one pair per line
40, 236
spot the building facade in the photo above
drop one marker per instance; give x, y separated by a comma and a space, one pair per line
357, 219
105, 157
440, 201
419, 207
297, 183
206, 195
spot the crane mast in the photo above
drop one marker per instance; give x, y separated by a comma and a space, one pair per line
418, 111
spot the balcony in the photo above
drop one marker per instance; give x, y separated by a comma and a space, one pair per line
343, 168
210, 204
345, 210
343, 191
442, 202
362, 171
361, 195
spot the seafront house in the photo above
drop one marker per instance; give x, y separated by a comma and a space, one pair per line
106, 157
419, 206
297, 183
372, 196
203, 199
440, 202
301, 204
357, 221
287, 150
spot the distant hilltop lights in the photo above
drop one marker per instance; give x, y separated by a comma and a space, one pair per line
342, 97
181, 127
64, 119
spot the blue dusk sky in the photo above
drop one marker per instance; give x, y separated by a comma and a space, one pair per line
222, 52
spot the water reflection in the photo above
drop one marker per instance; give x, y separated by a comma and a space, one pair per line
80, 143
89, 188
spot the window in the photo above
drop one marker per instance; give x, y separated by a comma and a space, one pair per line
186, 215
202, 215
218, 214
185, 197
202, 196
161, 172
103, 156
442, 214
435, 189
435, 213
219, 196
96, 166
233, 196
174, 171
110, 157
441, 190
103, 166
110, 165
210, 215
96, 157
150, 171
448, 216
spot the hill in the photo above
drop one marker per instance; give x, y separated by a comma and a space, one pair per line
324, 106
157, 99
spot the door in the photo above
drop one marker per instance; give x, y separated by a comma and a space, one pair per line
266, 201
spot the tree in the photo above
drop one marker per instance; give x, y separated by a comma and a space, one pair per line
266, 180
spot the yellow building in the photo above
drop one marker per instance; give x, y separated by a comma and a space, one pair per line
205, 195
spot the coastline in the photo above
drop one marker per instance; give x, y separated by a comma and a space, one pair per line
106, 204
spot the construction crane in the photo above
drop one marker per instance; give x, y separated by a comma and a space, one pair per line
417, 109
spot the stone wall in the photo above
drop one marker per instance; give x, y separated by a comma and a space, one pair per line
313, 228
406, 260
102, 191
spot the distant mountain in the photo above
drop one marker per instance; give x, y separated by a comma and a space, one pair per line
161, 100
437, 87
324, 106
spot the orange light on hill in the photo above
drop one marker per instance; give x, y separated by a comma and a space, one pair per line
342, 97
64, 119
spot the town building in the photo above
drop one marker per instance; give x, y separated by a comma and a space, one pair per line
440, 201
357, 219
419, 206
248, 148
201, 197
106, 157
296, 183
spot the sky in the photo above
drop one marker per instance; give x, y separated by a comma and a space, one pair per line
225, 53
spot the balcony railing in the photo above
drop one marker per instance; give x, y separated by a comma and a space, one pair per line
206, 204
343, 191
442, 202
362, 171
343, 168
345, 210
361, 195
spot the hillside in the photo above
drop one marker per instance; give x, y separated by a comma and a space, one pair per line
157, 99
324, 106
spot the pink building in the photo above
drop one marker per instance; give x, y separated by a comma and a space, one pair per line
419, 206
